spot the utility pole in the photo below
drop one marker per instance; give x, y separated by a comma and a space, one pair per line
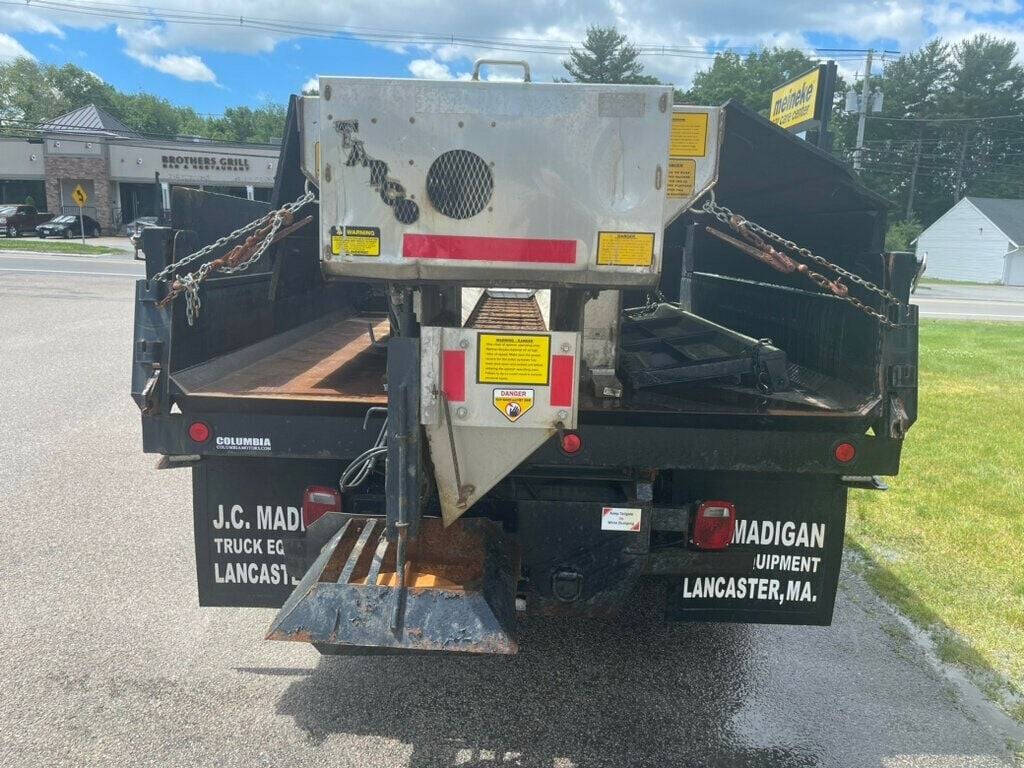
865, 95
958, 182
913, 173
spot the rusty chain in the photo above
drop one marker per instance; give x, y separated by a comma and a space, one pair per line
756, 235
264, 231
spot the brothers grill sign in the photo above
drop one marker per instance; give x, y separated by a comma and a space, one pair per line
205, 162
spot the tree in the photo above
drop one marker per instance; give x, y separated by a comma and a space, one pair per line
606, 57
31, 93
748, 79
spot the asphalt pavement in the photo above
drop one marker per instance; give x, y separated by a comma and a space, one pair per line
1000, 303
106, 660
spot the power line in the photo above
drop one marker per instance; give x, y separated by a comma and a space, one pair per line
151, 14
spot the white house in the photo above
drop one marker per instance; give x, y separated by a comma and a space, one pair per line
980, 239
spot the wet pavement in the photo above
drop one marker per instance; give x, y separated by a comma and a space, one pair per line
105, 659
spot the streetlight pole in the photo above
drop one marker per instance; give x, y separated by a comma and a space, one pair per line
865, 95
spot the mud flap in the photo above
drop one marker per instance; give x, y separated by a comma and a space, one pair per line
459, 594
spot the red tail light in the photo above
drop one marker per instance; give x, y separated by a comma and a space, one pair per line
714, 525
317, 501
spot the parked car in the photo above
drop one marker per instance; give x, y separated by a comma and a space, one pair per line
16, 220
67, 226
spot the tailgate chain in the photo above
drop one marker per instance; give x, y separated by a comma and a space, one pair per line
759, 249
265, 230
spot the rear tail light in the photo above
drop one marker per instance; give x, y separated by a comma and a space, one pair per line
317, 501
714, 525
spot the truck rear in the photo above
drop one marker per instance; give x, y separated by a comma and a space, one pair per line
506, 347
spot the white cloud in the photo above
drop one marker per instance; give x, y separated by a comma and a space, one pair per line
12, 49
429, 69
313, 84
686, 30
190, 68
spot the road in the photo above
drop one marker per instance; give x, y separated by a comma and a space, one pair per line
971, 302
105, 659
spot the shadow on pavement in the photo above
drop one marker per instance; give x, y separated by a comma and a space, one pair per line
625, 693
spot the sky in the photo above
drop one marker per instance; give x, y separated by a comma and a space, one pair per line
212, 54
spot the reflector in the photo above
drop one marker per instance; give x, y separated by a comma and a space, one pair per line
714, 525
199, 432
571, 443
845, 453
317, 501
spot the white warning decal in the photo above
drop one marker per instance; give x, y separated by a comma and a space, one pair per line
513, 403
620, 518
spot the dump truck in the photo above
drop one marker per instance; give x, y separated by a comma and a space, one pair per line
497, 348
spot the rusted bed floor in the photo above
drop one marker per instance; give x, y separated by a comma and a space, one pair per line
332, 361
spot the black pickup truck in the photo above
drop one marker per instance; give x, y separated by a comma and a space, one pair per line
281, 382
16, 220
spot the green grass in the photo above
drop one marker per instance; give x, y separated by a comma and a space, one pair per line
55, 246
946, 543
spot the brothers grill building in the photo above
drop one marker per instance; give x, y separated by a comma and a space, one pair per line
117, 167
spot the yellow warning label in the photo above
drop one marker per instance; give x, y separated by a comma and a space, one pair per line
505, 358
682, 176
625, 249
356, 241
513, 403
689, 137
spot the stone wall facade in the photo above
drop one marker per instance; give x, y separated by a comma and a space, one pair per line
62, 168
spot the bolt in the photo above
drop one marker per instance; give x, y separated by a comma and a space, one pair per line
412, 119
461, 412
464, 343
373, 120
327, 93
562, 415
566, 346
460, 123
410, 161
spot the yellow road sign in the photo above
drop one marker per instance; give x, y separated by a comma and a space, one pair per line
79, 196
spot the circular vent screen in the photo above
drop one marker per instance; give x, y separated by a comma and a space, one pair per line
459, 184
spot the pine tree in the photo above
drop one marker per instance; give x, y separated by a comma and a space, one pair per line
606, 57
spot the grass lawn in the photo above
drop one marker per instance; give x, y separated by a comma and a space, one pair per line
947, 541
54, 246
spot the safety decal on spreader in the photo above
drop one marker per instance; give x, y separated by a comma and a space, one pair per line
509, 358
689, 136
513, 403
356, 241
682, 176
621, 518
625, 249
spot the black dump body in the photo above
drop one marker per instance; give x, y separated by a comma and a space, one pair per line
283, 366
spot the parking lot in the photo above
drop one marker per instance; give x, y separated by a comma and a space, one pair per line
107, 660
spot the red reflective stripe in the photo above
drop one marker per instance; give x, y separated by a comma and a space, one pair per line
464, 248
453, 375
561, 380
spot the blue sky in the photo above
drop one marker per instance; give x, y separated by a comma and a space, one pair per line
170, 47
